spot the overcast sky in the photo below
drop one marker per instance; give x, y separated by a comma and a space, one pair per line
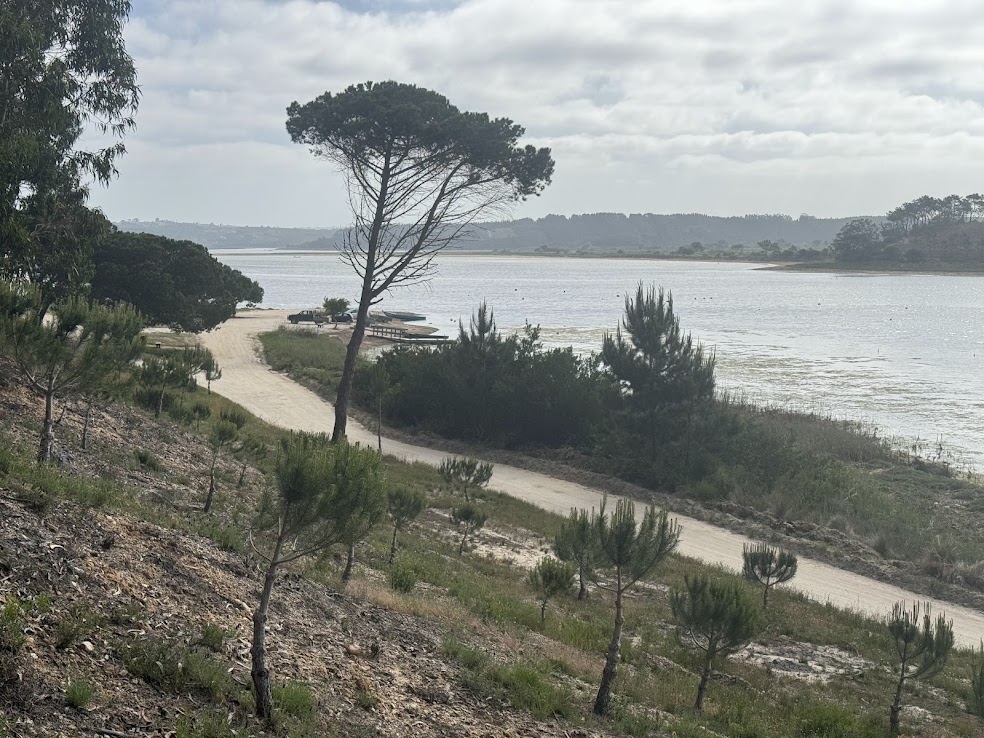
716, 106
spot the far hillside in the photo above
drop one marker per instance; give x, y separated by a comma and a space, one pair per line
595, 233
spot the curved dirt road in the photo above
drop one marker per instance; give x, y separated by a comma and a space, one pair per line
281, 401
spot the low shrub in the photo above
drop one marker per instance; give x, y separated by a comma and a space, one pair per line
79, 693
403, 577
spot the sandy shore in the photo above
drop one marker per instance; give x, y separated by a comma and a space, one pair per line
278, 400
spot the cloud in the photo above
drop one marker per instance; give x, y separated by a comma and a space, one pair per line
709, 105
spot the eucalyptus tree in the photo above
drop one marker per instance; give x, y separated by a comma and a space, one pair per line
75, 349
922, 645
419, 172
630, 550
768, 566
64, 73
716, 618
325, 494
662, 371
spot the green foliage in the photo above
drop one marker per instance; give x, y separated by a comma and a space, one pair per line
177, 668
714, 617
79, 693
463, 474
66, 73
235, 416
160, 374
12, 622
76, 349
421, 172
403, 577
295, 699
666, 379
335, 305
550, 578
173, 283
768, 566
828, 720
147, 460
310, 356
631, 549
488, 387
404, 506
976, 701
468, 518
200, 411
214, 637
858, 240
577, 543
74, 625
922, 649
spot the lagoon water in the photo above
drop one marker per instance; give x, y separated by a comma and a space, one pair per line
902, 353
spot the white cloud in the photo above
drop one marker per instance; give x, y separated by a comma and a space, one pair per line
724, 106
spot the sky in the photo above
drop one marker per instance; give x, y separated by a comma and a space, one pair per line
826, 107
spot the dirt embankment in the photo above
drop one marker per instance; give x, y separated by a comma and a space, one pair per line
281, 401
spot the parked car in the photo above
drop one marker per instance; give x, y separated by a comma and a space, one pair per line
308, 316
342, 318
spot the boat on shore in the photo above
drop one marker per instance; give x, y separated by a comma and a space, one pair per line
404, 316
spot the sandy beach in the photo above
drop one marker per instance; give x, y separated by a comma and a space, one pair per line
247, 380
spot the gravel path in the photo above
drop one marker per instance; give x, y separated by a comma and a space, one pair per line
275, 398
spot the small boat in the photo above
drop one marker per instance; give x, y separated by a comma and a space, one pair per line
399, 315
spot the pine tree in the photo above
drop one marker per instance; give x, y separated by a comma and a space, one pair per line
577, 543
768, 566
404, 506
462, 474
664, 375
469, 519
715, 618
326, 494
922, 651
78, 347
631, 551
550, 578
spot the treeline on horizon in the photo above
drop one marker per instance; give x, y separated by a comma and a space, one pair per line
947, 230
589, 233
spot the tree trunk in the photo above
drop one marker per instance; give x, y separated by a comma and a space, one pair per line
461, 546
361, 316
242, 475
379, 426
348, 369
896, 711
543, 612
211, 484
160, 402
85, 426
262, 689
604, 698
705, 677
765, 598
396, 530
47, 428
582, 593
349, 563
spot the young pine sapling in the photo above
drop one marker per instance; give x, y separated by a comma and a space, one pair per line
577, 543
922, 650
768, 566
550, 578
326, 494
469, 519
630, 550
716, 618
461, 474
404, 506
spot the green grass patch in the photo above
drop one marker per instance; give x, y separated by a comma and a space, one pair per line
312, 356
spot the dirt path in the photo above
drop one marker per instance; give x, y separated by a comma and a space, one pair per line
281, 401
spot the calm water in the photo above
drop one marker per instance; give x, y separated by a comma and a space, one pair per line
901, 352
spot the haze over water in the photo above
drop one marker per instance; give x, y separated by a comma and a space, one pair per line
902, 352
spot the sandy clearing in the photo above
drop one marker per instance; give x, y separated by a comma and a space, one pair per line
280, 401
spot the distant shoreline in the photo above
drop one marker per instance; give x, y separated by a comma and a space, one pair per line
764, 265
